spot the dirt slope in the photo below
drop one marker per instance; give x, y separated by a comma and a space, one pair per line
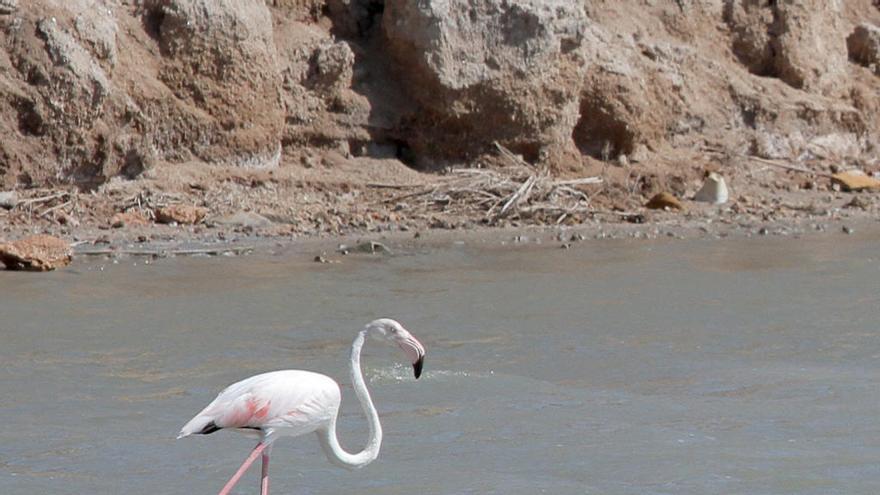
113, 95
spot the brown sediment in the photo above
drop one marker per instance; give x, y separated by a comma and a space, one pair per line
309, 118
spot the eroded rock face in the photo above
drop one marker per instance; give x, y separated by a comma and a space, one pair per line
801, 42
219, 55
62, 92
37, 253
8, 6
631, 94
94, 89
99, 88
490, 70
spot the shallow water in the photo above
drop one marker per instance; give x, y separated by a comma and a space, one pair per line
736, 367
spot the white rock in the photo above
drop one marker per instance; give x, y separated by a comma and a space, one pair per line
8, 199
714, 190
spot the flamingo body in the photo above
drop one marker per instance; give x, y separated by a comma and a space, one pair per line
287, 402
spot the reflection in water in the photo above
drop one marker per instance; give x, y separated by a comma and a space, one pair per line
612, 368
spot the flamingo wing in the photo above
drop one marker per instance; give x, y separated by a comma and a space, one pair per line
295, 401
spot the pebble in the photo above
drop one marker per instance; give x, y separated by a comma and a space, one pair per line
8, 199
638, 218
370, 247
857, 202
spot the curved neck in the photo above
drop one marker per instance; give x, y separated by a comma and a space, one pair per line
329, 440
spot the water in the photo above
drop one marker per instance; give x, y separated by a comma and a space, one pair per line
736, 367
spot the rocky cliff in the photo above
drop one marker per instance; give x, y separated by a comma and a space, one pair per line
94, 89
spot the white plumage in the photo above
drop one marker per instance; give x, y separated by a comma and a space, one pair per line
295, 402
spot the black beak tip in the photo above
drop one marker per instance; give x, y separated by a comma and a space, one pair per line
417, 367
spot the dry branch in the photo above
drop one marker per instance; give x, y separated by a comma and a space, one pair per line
793, 168
513, 192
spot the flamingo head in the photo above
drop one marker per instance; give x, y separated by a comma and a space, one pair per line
391, 331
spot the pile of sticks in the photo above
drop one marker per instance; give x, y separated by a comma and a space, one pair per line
519, 191
43, 203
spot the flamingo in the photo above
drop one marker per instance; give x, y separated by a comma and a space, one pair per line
295, 402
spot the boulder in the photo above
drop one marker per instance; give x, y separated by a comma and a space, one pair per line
37, 253
180, 214
714, 190
801, 42
864, 46
489, 70
220, 57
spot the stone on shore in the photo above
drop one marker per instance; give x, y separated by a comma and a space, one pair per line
714, 190
128, 219
855, 181
181, 214
38, 253
664, 201
8, 199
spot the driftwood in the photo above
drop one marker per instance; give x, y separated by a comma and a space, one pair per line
41, 199
519, 190
376, 185
786, 166
512, 192
55, 208
64, 201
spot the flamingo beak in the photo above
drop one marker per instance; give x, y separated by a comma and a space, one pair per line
417, 366
415, 351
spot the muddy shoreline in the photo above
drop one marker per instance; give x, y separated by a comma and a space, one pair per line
198, 209
331, 249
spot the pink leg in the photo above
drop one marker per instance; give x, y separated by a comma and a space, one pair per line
244, 467
264, 484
